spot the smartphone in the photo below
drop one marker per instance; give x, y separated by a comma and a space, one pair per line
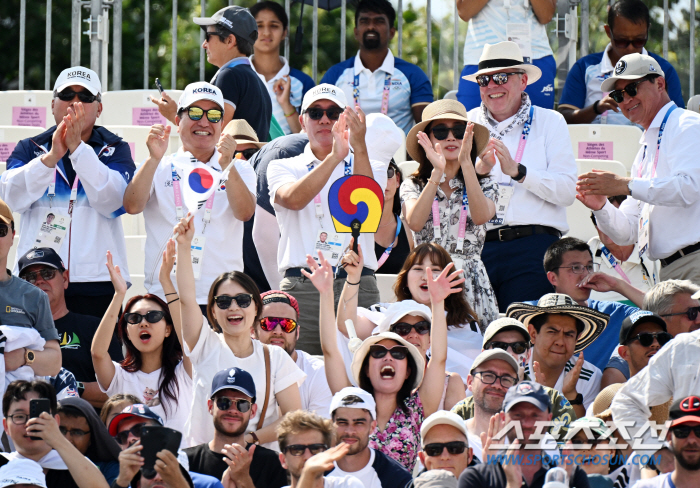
154, 439
159, 86
36, 406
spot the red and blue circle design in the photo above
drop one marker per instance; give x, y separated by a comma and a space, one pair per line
356, 197
200, 180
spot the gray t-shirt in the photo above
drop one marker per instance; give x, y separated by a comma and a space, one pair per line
25, 305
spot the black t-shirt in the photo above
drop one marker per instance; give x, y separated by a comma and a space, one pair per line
76, 332
265, 468
243, 89
491, 475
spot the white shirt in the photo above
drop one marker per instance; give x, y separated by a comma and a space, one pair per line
367, 475
299, 228
550, 184
673, 192
344, 482
211, 355
223, 249
588, 383
315, 394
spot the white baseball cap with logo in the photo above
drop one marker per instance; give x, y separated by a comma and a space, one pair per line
324, 91
632, 67
77, 75
200, 90
353, 397
21, 471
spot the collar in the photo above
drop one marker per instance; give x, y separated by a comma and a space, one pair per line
236, 62
213, 162
659, 117
387, 66
280, 74
605, 65
596, 243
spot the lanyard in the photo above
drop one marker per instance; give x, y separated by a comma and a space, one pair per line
73, 191
613, 262
527, 126
387, 251
658, 145
177, 191
463, 212
207, 211
317, 199
385, 93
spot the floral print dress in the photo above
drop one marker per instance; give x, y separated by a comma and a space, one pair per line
401, 439
478, 290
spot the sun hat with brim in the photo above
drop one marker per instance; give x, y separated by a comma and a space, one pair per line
593, 322
243, 133
504, 55
362, 352
443, 109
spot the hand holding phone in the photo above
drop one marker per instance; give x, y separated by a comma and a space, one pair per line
155, 439
36, 407
159, 86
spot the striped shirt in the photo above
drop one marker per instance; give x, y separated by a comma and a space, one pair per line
588, 381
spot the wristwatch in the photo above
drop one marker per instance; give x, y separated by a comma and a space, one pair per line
29, 357
577, 401
522, 171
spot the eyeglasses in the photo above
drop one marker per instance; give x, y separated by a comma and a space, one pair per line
403, 328
646, 339
45, 273
225, 403
516, 347
377, 351
489, 378
152, 317
214, 115
123, 436
270, 323
247, 153
441, 131
224, 301
300, 449
624, 43
19, 418
4, 230
317, 113
580, 268
683, 431
631, 89
456, 447
691, 313
390, 172
84, 96
73, 432
498, 78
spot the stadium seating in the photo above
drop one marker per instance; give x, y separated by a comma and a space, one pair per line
135, 253
606, 142
26, 108
11, 135
450, 95
132, 107
694, 103
385, 283
407, 168
136, 137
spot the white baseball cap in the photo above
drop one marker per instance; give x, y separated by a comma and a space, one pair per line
200, 90
442, 417
398, 310
352, 397
324, 91
77, 75
20, 471
632, 67
383, 137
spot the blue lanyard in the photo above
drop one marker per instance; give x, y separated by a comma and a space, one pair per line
658, 145
346, 172
387, 251
385, 92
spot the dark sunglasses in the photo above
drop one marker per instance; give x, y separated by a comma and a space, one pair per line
403, 328
631, 89
123, 436
224, 301
220, 35
683, 431
646, 339
390, 172
317, 113
225, 403
84, 96
624, 43
45, 273
4, 230
692, 313
214, 115
517, 347
152, 317
456, 447
299, 449
270, 323
377, 351
498, 78
441, 131
247, 153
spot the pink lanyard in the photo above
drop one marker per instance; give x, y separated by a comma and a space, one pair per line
178, 192
613, 262
462, 220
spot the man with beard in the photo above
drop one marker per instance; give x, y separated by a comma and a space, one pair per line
354, 415
231, 404
374, 78
684, 439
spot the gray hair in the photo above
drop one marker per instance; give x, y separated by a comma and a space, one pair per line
660, 298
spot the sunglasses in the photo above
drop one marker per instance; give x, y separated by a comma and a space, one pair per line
683, 431
390, 172
220, 35
646, 339
224, 301
300, 449
214, 115
317, 113
456, 447
498, 78
624, 43
377, 351
516, 347
123, 437
225, 403
441, 131
84, 96
152, 317
270, 323
4, 230
403, 329
692, 313
247, 153
631, 89
45, 273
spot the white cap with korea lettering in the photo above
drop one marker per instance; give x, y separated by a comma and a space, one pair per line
200, 90
324, 91
77, 75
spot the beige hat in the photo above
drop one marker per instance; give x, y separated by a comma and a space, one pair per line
503, 324
243, 133
506, 54
362, 352
632, 67
603, 401
6, 213
435, 478
491, 354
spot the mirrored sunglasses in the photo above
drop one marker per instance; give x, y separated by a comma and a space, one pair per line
225, 403
45, 273
214, 115
270, 323
498, 78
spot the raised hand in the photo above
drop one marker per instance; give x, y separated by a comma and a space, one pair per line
600, 282
115, 275
569, 387
46, 427
353, 263
185, 230
594, 202
467, 142
511, 468
539, 375
602, 183
238, 460
168, 467
166, 106
168, 263
74, 126
226, 147
444, 285
487, 438
508, 164
356, 124
321, 273
434, 155
130, 461
58, 147
323, 461
341, 139
282, 89
157, 141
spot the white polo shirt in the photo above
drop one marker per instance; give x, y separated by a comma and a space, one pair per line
588, 383
223, 249
672, 192
299, 228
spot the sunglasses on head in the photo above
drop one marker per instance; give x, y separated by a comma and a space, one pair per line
152, 317
691, 313
45, 273
214, 115
683, 431
517, 347
646, 339
270, 323
317, 113
4, 230
440, 132
403, 328
224, 301
498, 78
300, 449
435, 449
123, 436
377, 351
84, 96
247, 153
225, 403
631, 89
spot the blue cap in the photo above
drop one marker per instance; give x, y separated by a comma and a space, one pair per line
527, 391
135, 410
233, 379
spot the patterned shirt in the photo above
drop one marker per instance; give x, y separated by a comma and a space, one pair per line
400, 440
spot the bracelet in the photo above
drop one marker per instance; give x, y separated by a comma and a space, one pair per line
255, 437
352, 284
293, 112
173, 293
173, 300
431, 181
595, 107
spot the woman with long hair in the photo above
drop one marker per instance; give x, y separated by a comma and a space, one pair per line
153, 368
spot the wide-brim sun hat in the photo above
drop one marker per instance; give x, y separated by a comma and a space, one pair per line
593, 322
243, 133
504, 55
443, 109
363, 351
